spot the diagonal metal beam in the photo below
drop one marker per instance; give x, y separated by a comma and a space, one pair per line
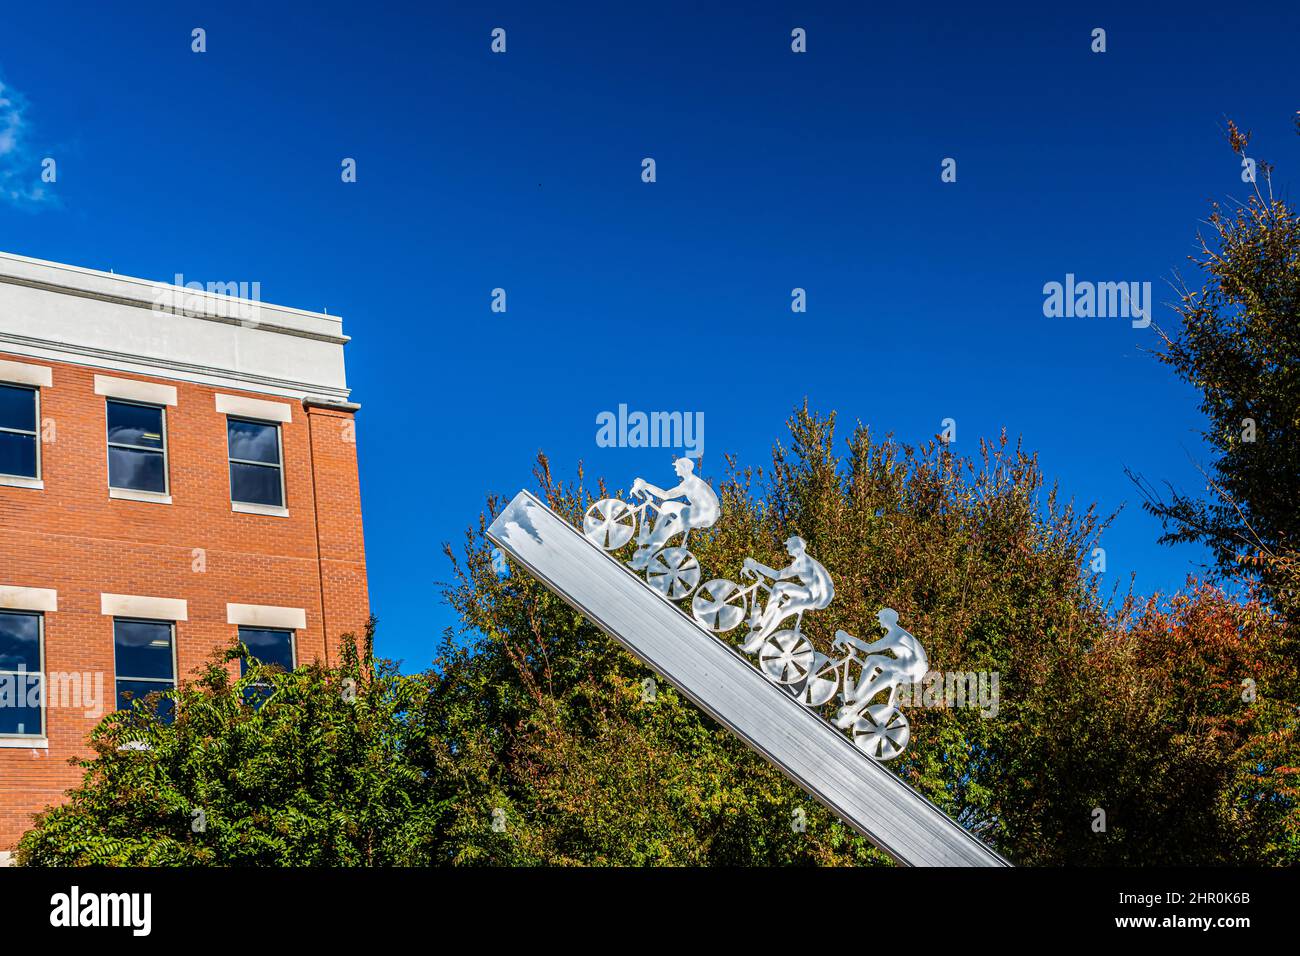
720, 681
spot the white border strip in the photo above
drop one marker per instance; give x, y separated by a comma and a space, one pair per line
20, 373
134, 391
14, 598
265, 615
149, 608
242, 407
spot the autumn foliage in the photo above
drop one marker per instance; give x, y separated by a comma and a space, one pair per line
1137, 708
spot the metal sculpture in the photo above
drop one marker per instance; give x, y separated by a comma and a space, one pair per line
797, 740
859, 675
804, 585
690, 505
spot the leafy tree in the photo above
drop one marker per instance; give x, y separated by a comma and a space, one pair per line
312, 775
981, 563
1238, 344
1190, 762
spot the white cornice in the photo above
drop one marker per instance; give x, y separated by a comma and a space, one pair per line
117, 323
144, 294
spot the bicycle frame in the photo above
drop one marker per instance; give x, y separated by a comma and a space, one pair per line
867, 668
648, 502
762, 581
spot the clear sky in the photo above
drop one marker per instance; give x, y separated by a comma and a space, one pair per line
775, 170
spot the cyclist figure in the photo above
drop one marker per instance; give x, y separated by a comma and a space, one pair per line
908, 665
700, 510
813, 591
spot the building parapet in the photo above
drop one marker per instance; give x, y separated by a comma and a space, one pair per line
119, 323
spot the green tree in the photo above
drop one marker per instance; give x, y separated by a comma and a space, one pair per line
1238, 344
315, 774
980, 561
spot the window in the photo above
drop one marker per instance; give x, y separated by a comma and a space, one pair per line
22, 667
19, 447
137, 447
145, 661
269, 647
256, 476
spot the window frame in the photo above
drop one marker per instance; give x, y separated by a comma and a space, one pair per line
293, 642
279, 449
166, 455
40, 625
35, 434
262, 685
118, 676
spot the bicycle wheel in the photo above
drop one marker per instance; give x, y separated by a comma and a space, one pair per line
786, 657
881, 731
719, 605
822, 683
673, 572
609, 524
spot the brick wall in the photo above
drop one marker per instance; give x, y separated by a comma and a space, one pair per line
73, 538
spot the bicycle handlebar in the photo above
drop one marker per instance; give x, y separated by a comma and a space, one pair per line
644, 492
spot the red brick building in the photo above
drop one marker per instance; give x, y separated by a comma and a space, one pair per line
177, 467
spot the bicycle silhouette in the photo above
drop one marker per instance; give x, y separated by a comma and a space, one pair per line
788, 658
611, 522
672, 571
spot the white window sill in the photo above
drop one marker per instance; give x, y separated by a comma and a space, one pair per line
15, 481
243, 508
24, 743
127, 494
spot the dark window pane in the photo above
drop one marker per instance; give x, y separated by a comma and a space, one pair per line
20, 642
137, 470
17, 455
18, 408
255, 484
269, 647
250, 441
135, 425
20, 707
143, 649
131, 690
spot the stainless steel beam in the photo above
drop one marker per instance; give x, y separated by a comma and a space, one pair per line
723, 683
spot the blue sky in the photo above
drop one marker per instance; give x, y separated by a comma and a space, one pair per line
774, 171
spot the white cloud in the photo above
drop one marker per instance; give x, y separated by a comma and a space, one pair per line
20, 167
